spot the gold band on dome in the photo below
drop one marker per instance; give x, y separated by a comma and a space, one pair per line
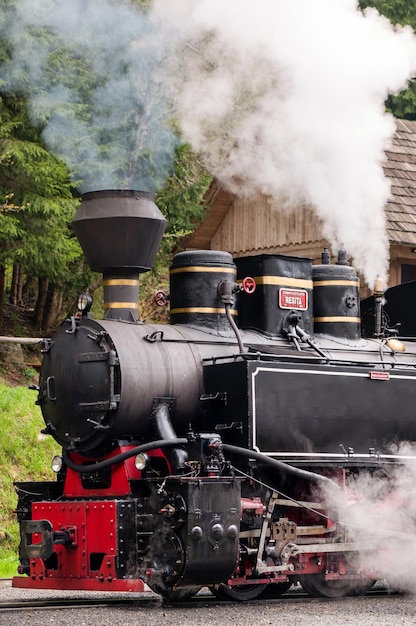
282, 280
197, 268
336, 283
115, 282
354, 320
121, 305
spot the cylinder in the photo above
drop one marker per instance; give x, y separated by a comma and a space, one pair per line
336, 301
194, 279
121, 295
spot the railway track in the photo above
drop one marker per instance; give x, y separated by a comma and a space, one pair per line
151, 600
294, 608
73, 603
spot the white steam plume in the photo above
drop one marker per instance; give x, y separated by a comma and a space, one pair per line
284, 97
93, 73
288, 98
382, 517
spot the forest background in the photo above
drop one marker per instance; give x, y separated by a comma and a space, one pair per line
42, 268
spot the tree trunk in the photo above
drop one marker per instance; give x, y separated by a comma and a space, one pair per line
43, 284
16, 288
52, 310
2, 275
30, 291
20, 288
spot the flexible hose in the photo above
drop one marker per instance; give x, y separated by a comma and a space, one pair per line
170, 443
280, 465
145, 447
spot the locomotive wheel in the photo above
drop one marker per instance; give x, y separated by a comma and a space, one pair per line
240, 593
275, 590
175, 595
318, 587
361, 587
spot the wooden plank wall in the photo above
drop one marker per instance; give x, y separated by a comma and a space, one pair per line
255, 225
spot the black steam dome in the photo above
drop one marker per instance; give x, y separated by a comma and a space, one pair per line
119, 228
120, 232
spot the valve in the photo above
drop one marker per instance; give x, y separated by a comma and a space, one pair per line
248, 285
161, 298
227, 289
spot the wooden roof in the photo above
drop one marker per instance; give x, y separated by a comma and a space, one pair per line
218, 201
400, 168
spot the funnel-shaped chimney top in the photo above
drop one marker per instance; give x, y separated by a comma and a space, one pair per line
119, 229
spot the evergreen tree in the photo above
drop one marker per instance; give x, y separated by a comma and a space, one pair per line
402, 12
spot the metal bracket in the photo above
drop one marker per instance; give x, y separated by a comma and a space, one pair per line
169, 402
46, 345
157, 335
220, 395
74, 321
89, 357
236, 425
283, 531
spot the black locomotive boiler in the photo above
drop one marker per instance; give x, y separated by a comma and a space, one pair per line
201, 452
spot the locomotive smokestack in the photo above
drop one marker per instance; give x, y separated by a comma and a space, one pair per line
120, 232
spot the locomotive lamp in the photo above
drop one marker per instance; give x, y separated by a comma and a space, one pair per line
57, 464
140, 461
395, 344
84, 303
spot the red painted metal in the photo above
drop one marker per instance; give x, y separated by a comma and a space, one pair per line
84, 584
95, 523
121, 474
89, 520
90, 561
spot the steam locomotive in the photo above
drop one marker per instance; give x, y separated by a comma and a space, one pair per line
206, 452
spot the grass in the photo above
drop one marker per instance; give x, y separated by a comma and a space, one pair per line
25, 454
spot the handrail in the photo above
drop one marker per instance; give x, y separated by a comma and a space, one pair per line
20, 339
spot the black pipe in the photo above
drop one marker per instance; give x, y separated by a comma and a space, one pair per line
170, 443
163, 428
234, 328
280, 465
145, 447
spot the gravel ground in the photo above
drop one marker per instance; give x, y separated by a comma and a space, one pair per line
370, 610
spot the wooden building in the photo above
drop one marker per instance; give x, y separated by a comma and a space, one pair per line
254, 225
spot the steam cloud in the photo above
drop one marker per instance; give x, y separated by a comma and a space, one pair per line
283, 97
382, 516
95, 83
288, 98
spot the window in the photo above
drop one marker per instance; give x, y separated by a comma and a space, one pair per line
408, 273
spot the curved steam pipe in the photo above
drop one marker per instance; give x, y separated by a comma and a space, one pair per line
280, 465
119, 458
169, 443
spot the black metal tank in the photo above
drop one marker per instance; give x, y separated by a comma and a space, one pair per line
194, 297
336, 300
284, 284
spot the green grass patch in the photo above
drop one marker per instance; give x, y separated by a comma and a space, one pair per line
8, 565
25, 454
